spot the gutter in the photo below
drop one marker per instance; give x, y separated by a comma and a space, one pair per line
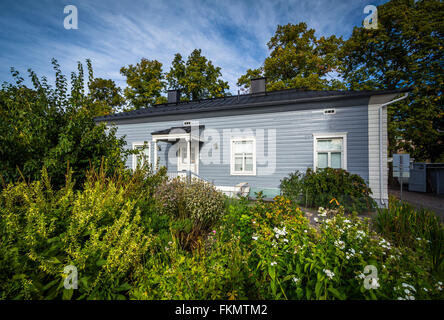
380, 142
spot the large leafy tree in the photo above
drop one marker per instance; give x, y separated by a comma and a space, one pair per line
298, 59
406, 50
106, 95
197, 78
53, 126
145, 83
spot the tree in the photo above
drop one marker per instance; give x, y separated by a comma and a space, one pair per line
406, 50
298, 59
197, 78
145, 83
52, 127
106, 95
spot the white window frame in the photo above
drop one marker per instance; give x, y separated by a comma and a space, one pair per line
336, 135
232, 167
140, 144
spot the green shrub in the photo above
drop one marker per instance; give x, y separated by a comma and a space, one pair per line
317, 189
196, 204
293, 260
405, 225
99, 230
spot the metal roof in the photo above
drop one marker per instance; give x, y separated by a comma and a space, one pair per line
244, 101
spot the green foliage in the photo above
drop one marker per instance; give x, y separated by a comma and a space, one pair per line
298, 59
47, 126
406, 226
404, 51
297, 261
197, 78
317, 189
194, 205
99, 230
145, 83
106, 94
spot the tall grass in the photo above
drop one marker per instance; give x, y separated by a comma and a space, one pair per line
404, 224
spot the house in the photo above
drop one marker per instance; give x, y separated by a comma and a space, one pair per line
256, 139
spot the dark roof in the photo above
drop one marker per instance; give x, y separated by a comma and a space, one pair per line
244, 101
186, 129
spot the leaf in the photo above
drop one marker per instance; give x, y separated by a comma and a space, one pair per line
336, 293
67, 294
318, 288
124, 287
100, 262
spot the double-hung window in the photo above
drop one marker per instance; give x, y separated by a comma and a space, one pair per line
330, 151
243, 156
143, 156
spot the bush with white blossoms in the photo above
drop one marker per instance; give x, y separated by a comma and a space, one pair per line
329, 262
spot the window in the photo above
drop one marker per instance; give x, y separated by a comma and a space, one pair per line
143, 156
243, 156
330, 150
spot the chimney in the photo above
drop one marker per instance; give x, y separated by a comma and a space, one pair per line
257, 86
173, 96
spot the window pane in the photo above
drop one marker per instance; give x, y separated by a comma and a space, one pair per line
142, 157
336, 160
322, 160
243, 146
249, 163
329, 145
183, 154
238, 164
193, 155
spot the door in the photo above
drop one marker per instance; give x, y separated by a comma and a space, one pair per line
182, 164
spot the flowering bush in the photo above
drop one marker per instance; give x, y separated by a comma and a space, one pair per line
316, 189
405, 225
296, 261
194, 205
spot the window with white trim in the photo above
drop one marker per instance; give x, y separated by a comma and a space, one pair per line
243, 156
330, 151
143, 156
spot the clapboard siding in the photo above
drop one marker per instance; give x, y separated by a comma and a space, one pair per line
294, 141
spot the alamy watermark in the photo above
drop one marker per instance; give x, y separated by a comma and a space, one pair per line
71, 21
371, 21
71, 280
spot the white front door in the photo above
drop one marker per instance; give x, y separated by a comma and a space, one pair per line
183, 157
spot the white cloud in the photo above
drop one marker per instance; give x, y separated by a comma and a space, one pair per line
233, 34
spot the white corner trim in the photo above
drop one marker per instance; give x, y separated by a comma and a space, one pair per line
326, 135
240, 138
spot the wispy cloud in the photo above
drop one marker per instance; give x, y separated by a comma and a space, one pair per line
233, 34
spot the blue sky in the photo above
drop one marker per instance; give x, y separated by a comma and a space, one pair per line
233, 34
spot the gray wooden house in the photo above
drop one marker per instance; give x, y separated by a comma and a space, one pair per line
256, 139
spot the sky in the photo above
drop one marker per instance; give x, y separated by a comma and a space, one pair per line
232, 34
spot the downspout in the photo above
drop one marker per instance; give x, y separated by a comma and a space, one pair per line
380, 142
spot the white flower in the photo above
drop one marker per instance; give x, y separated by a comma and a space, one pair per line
425, 289
315, 219
329, 273
273, 263
255, 238
375, 283
279, 232
360, 276
285, 240
340, 244
296, 280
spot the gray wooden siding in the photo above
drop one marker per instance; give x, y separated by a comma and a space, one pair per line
294, 141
